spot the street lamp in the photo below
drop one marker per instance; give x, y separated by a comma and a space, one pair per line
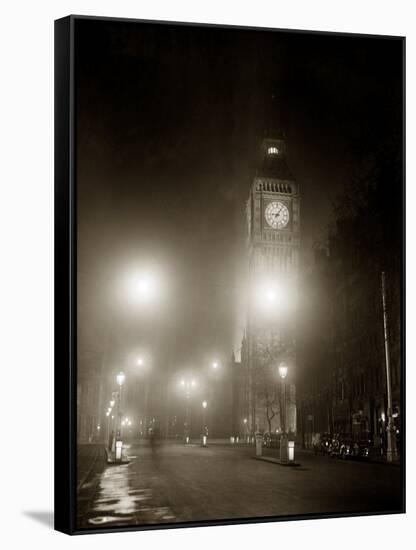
204, 434
215, 365
283, 369
143, 364
246, 436
120, 381
120, 378
143, 287
268, 294
188, 385
391, 430
108, 415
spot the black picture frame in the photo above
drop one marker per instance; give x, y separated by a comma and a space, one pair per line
66, 292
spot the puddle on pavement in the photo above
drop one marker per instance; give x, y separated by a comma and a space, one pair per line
118, 502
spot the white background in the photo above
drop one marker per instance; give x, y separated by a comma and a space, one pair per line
26, 287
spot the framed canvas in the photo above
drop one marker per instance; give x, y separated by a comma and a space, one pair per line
229, 275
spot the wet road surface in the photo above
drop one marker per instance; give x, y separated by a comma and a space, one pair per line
171, 482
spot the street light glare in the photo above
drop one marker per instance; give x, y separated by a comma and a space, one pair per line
143, 288
204, 404
186, 383
215, 365
121, 378
268, 294
283, 370
271, 295
140, 361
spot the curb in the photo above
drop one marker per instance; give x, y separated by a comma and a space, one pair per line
362, 460
276, 461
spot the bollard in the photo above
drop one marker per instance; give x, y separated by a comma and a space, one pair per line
187, 439
291, 450
119, 447
259, 444
284, 449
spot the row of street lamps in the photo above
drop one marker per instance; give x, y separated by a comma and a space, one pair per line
187, 384
114, 428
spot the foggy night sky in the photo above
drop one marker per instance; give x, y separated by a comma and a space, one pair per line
169, 123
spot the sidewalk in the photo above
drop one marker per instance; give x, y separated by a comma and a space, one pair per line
89, 455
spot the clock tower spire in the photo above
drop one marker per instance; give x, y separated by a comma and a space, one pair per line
273, 238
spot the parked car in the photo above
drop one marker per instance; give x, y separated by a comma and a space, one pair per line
363, 447
321, 442
343, 446
335, 444
325, 443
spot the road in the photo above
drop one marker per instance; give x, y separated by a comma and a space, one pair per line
172, 482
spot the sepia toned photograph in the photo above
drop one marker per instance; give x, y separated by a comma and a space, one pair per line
239, 279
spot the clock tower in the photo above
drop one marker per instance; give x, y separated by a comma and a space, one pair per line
273, 235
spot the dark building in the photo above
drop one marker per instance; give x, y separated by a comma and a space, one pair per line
89, 418
342, 375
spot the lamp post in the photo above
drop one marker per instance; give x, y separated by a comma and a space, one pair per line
204, 433
120, 381
108, 415
187, 385
144, 363
391, 431
283, 439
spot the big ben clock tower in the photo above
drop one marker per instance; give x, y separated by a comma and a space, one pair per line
273, 223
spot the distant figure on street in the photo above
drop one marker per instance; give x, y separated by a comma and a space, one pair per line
152, 440
110, 440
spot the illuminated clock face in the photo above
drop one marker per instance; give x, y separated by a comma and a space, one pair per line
277, 215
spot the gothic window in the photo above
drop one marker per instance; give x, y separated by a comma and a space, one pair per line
272, 151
